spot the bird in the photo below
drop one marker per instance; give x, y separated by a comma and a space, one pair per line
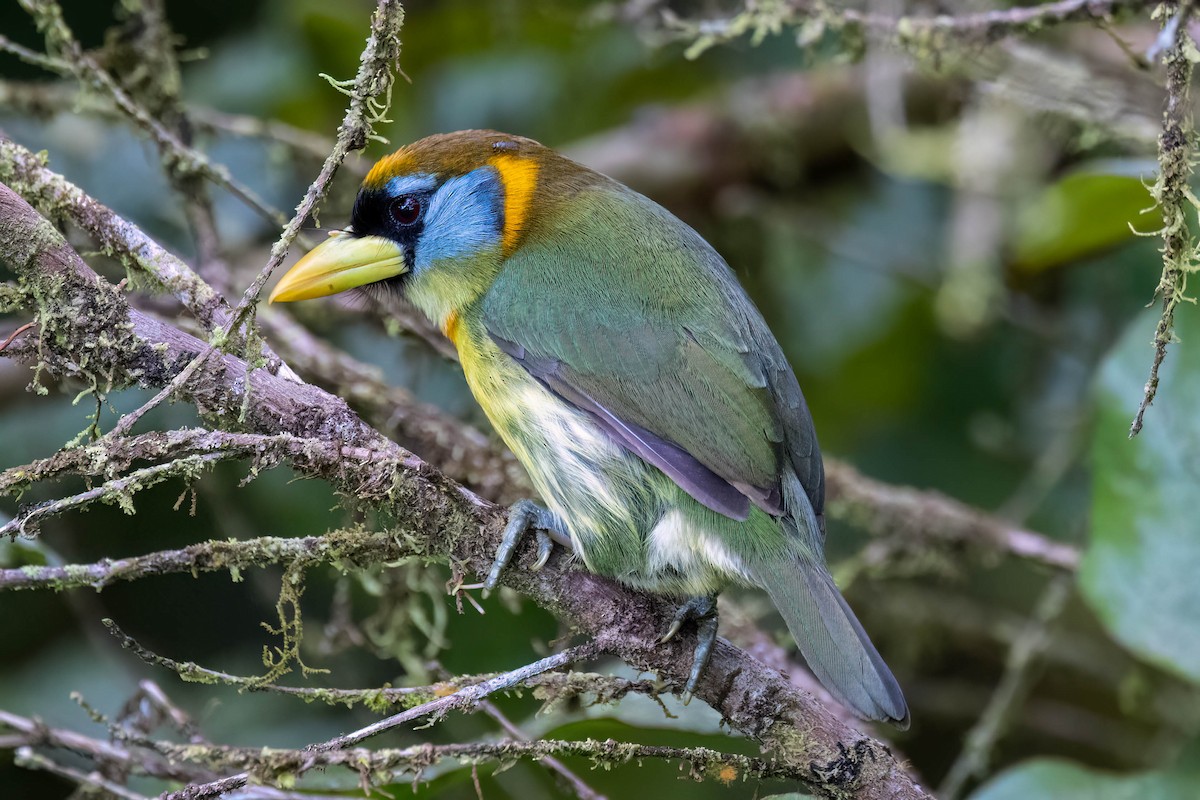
618, 357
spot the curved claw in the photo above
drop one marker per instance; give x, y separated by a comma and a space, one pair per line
704, 611
521, 516
676, 624
545, 546
706, 638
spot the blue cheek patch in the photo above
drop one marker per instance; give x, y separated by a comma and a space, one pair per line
464, 216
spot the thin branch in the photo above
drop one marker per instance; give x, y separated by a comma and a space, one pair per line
906, 516
577, 784
1179, 250
464, 699
991, 26
551, 686
381, 764
108, 755
301, 141
1011, 692
17, 332
213, 556
45, 99
159, 87
119, 490
34, 57
66, 51
34, 733
374, 80
26, 757
922, 36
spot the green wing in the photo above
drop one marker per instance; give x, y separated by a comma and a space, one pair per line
630, 316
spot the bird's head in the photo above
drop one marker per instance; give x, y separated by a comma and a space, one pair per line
435, 221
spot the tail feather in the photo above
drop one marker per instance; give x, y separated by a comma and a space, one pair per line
831, 638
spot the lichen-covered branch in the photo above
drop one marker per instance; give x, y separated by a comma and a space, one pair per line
119, 491
65, 51
551, 687
920, 35
370, 95
269, 763
465, 698
60, 200
1175, 201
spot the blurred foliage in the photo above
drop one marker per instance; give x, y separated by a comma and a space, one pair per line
1141, 569
1082, 213
1065, 781
846, 255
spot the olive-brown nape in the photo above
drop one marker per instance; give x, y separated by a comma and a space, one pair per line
449, 154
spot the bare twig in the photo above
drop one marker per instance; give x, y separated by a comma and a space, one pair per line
304, 142
26, 757
578, 785
1174, 198
9, 339
34, 57
1010, 694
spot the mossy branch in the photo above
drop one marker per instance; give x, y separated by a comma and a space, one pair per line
1180, 252
466, 699
279, 766
550, 687
924, 37
67, 56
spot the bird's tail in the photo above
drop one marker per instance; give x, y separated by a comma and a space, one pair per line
831, 638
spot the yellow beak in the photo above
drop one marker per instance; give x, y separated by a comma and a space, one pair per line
341, 262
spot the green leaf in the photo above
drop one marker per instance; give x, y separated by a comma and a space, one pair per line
1063, 780
1083, 213
1141, 572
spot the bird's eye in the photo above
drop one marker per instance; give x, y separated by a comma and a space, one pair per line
406, 210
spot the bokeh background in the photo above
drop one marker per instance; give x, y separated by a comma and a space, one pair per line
946, 251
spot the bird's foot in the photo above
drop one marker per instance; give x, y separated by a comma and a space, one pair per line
704, 611
522, 515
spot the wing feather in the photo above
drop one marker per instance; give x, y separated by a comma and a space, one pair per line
662, 347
